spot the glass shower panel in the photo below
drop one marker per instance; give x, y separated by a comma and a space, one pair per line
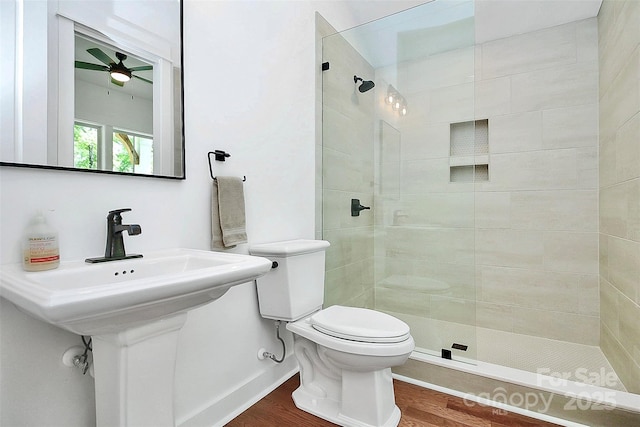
391, 147
348, 173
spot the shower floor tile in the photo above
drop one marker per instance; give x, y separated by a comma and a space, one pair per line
572, 361
576, 362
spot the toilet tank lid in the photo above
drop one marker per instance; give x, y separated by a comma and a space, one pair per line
289, 247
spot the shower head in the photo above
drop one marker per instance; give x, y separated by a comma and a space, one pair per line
365, 85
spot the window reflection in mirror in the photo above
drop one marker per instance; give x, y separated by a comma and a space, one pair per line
86, 140
132, 153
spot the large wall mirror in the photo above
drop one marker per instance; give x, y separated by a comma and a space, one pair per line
93, 86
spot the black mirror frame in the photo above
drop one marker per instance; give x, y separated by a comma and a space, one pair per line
182, 132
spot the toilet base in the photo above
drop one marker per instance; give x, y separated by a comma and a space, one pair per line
329, 409
333, 386
347, 382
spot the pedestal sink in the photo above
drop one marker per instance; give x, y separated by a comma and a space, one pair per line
133, 310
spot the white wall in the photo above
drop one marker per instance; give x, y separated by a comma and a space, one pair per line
249, 89
96, 104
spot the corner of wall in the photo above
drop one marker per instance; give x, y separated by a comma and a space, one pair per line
619, 253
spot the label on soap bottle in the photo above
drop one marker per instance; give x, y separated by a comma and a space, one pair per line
40, 246
41, 253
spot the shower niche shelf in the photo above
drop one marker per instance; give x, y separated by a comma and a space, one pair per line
469, 151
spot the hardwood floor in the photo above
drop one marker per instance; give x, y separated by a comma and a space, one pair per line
420, 407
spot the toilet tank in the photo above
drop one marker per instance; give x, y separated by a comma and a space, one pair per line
295, 288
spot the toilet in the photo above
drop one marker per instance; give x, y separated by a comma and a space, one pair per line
345, 353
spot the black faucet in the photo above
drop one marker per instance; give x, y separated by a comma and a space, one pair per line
115, 242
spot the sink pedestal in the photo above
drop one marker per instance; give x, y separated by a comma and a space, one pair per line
134, 374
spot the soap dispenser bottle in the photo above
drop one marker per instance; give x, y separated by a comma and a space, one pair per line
40, 246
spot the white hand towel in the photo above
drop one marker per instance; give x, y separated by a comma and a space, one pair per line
227, 213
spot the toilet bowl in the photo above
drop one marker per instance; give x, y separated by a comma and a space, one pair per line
348, 380
345, 354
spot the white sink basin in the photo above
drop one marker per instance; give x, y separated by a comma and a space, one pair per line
96, 299
134, 310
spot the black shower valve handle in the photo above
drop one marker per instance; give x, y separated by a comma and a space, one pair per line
356, 207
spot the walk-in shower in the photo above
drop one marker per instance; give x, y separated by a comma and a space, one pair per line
504, 225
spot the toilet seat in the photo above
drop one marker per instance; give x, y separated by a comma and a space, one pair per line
360, 324
305, 329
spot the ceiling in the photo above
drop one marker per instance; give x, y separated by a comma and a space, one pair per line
495, 19
485, 19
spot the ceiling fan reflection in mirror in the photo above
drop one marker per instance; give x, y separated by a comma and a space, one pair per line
120, 73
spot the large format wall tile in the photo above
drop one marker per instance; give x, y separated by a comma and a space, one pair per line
629, 331
493, 209
624, 266
569, 127
349, 282
547, 48
621, 361
510, 248
514, 133
535, 219
536, 170
619, 214
447, 210
348, 246
347, 172
344, 172
446, 69
425, 176
425, 141
627, 149
569, 85
558, 325
492, 97
571, 252
621, 100
619, 37
446, 245
619, 53
451, 103
543, 290
562, 210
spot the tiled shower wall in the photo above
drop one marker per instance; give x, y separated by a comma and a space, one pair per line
619, 34
347, 172
534, 225
532, 229
536, 220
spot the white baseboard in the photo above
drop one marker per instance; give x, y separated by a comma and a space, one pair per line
239, 400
